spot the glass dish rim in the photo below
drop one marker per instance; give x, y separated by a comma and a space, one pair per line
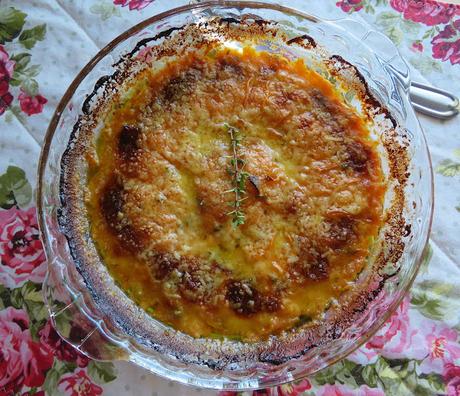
66, 98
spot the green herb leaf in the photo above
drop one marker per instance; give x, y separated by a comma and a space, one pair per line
11, 23
29, 37
239, 177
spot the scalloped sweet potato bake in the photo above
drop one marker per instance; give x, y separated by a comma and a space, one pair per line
234, 194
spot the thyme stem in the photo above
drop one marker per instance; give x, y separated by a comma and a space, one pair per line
239, 177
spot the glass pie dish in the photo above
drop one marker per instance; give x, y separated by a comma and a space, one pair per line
89, 309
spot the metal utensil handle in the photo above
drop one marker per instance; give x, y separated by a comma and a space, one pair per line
433, 101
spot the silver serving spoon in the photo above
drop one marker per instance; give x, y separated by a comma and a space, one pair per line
433, 101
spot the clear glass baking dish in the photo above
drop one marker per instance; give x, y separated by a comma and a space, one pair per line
86, 321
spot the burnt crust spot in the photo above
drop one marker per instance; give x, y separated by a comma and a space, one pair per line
162, 265
312, 263
356, 156
246, 300
340, 231
229, 68
181, 85
111, 203
243, 297
196, 280
128, 141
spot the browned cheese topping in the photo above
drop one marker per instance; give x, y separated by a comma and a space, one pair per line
233, 194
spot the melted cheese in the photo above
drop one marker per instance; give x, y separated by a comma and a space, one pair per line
158, 199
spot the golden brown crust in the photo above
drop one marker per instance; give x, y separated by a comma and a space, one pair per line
268, 176
307, 218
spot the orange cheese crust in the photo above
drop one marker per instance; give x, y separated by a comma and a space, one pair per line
158, 196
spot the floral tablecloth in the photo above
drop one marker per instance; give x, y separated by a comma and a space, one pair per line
44, 43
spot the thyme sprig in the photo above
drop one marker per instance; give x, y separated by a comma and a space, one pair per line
239, 177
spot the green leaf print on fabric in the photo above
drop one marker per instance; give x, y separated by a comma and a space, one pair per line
101, 372
105, 10
394, 376
15, 190
390, 23
11, 23
436, 300
448, 168
29, 297
54, 375
344, 372
426, 258
29, 37
396, 27
431, 308
20, 91
425, 64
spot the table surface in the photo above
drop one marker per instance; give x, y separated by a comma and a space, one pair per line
44, 43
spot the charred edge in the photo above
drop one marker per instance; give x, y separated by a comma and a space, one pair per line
144, 42
300, 40
371, 100
407, 230
278, 361
63, 185
103, 81
263, 22
230, 20
371, 296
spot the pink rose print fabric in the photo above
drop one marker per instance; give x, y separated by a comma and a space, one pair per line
342, 390
440, 22
452, 378
133, 4
22, 360
428, 12
78, 384
446, 44
6, 72
350, 5
393, 340
31, 104
60, 348
21, 251
416, 352
17, 74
